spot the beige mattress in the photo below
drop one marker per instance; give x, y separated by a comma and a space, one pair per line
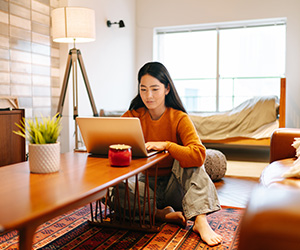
255, 118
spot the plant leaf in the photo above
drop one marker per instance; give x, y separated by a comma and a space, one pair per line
40, 131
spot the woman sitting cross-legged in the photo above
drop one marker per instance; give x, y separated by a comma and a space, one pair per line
184, 190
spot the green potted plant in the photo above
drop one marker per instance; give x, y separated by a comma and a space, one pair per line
43, 147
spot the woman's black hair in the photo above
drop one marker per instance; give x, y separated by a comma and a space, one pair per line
160, 72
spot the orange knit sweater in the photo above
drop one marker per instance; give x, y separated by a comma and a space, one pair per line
176, 128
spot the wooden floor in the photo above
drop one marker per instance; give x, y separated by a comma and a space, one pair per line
235, 191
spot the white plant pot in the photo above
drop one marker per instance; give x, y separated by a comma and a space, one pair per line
44, 158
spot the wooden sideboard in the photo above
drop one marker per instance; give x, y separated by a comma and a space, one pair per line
12, 146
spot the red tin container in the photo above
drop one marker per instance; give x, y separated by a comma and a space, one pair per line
119, 155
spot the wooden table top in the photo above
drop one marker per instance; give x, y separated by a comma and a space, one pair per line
27, 197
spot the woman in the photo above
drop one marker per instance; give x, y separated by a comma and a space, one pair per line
183, 184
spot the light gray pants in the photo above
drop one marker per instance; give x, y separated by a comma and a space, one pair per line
187, 189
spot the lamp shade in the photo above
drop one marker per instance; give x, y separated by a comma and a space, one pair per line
71, 24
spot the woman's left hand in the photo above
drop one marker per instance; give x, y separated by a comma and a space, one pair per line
156, 145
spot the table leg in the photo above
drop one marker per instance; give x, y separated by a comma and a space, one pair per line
124, 217
26, 237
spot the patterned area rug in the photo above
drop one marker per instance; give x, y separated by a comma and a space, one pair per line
72, 231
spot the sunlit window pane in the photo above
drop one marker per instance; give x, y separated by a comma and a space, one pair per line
235, 91
197, 95
249, 62
252, 52
189, 54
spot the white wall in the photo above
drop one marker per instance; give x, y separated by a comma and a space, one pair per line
161, 13
109, 62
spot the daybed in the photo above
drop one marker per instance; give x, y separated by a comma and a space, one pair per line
272, 216
251, 123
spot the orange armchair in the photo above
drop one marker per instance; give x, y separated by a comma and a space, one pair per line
281, 143
272, 217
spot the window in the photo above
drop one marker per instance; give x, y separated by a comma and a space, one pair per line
217, 67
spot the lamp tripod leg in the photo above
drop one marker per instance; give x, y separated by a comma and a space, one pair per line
65, 85
87, 84
75, 94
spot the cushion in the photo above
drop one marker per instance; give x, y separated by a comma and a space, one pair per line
215, 164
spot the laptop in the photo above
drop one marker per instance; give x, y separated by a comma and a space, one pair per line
98, 133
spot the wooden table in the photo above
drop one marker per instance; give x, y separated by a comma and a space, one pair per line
28, 200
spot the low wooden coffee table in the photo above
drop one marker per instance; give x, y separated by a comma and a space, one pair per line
28, 200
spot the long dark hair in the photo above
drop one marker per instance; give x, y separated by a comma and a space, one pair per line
160, 72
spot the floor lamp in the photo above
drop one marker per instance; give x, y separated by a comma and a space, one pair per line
70, 25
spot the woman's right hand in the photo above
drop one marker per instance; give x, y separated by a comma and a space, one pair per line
156, 145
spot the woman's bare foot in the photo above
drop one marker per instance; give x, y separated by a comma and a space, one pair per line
168, 214
202, 227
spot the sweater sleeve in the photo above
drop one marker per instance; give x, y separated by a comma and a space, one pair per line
192, 152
